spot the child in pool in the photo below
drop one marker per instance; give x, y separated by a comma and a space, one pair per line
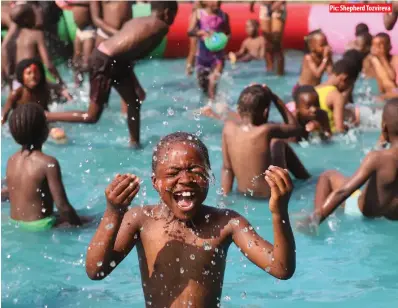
181, 243
380, 64
111, 66
309, 114
379, 170
360, 30
316, 61
272, 16
253, 47
209, 65
33, 178
193, 41
333, 93
254, 137
84, 39
26, 42
35, 89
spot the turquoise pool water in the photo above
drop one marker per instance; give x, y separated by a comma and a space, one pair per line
352, 263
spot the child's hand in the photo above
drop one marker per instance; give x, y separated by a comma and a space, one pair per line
189, 70
327, 52
312, 126
232, 57
281, 188
65, 93
122, 191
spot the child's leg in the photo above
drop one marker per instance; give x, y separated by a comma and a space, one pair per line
88, 46
127, 92
202, 75
77, 61
278, 25
213, 79
191, 55
328, 182
282, 155
265, 26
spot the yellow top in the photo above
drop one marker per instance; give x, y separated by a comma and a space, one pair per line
323, 92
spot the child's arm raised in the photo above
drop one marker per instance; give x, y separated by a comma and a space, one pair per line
279, 259
291, 128
115, 236
227, 174
315, 70
57, 189
337, 197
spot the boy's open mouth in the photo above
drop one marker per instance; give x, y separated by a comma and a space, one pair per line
184, 199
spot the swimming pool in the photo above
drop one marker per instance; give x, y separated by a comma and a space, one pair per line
350, 264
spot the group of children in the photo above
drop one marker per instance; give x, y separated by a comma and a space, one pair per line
181, 232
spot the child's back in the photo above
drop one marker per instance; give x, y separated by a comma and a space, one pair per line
248, 148
33, 178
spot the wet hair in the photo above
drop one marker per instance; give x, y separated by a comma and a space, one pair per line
308, 39
21, 66
254, 100
254, 22
361, 28
390, 116
355, 57
303, 90
28, 125
384, 36
162, 5
180, 137
23, 15
346, 66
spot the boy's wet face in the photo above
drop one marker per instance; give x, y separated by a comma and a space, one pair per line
31, 76
181, 178
308, 106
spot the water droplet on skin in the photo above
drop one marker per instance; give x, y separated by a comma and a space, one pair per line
245, 229
109, 226
249, 244
51, 165
192, 257
213, 262
182, 270
206, 246
267, 269
43, 210
178, 260
283, 221
99, 263
112, 264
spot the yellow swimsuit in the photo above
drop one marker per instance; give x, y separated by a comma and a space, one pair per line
323, 92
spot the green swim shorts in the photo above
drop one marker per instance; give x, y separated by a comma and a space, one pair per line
36, 225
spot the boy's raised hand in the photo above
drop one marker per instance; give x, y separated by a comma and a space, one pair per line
281, 188
121, 192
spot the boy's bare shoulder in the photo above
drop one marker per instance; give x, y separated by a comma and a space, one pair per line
140, 213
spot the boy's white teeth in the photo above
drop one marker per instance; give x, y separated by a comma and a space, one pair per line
186, 194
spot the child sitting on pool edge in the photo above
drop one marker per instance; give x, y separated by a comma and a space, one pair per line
181, 243
35, 89
251, 145
33, 178
379, 170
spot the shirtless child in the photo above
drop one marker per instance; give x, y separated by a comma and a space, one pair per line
254, 138
253, 47
380, 64
111, 67
84, 39
181, 243
317, 61
309, 114
25, 43
109, 17
333, 93
379, 170
34, 89
33, 178
360, 29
